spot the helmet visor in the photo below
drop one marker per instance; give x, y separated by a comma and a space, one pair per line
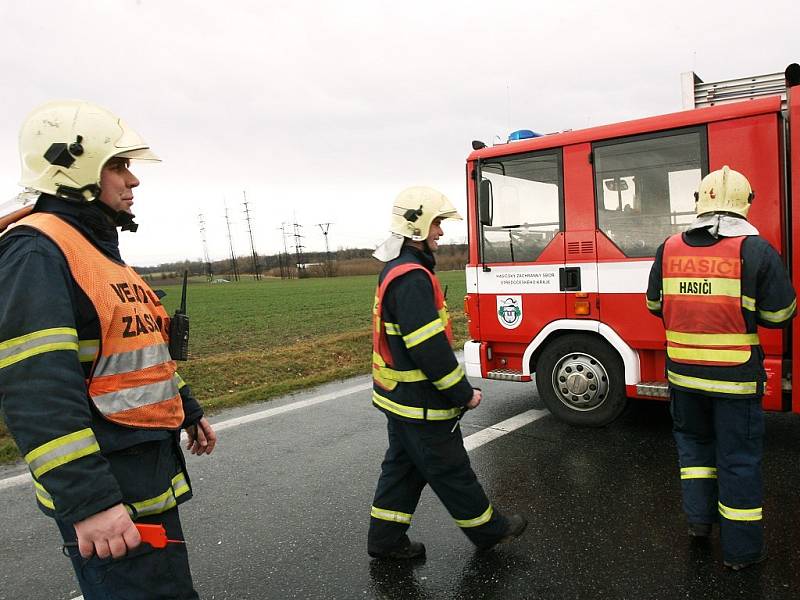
140, 154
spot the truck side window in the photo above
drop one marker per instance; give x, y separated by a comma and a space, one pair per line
526, 206
644, 187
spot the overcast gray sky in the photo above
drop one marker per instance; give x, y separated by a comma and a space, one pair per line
324, 111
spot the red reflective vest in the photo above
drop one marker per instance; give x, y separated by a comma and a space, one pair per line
132, 380
702, 303
382, 372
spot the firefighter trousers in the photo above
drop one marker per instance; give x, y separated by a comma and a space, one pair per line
720, 444
145, 573
429, 453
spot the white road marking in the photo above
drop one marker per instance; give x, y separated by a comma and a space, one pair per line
470, 442
502, 428
223, 425
264, 414
15, 481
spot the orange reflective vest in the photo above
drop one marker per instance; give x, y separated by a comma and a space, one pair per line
132, 380
702, 303
382, 372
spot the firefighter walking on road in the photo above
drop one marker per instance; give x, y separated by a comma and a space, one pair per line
423, 391
87, 384
713, 285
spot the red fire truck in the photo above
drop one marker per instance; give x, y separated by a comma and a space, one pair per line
563, 229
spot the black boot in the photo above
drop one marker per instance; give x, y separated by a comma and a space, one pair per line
407, 552
738, 566
516, 526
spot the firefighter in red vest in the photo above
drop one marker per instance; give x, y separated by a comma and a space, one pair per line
419, 385
713, 285
87, 384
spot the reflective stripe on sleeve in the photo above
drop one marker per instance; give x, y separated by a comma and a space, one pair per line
740, 514
390, 515
135, 360
87, 350
450, 379
38, 342
698, 473
484, 518
711, 385
61, 450
778, 316
43, 496
179, 484
423, 333
654, 304
713, 339
748, 303
414, 412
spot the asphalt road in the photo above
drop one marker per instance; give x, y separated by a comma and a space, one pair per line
281, 511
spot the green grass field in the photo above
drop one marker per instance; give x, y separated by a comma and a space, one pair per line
252, 341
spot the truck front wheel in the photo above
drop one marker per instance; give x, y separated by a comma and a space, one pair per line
581, 380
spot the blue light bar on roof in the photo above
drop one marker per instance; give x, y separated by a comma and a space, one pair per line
522, 134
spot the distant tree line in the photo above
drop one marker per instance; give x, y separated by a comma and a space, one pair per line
349, 261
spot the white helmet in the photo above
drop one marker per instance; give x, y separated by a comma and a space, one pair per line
724, 190
64, 144
413, 212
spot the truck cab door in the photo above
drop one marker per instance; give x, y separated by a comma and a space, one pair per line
520, 232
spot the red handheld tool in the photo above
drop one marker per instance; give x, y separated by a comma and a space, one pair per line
155, 535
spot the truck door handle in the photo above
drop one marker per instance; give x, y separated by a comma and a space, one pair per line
569, 279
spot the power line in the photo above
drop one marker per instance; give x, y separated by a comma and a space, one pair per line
234, 266
298, 249
206, 258
283, 259
252, 244
328, 264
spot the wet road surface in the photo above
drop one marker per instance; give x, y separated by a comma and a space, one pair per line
282, 507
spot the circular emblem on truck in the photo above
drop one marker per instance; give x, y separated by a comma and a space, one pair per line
509, 311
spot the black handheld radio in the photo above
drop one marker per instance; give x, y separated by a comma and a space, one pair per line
179, 328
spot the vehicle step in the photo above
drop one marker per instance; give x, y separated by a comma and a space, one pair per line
507, 375
654, 389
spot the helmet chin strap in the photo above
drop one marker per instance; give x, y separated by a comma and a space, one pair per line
120, 218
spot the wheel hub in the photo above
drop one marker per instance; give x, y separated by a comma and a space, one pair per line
580, 381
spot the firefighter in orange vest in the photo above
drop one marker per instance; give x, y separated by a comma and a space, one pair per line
713, 285
88, 387
419, 385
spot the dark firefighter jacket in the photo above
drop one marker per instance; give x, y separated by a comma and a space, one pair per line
408, 308
763, 279
43, 391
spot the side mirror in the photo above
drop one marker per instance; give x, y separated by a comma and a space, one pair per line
485, 203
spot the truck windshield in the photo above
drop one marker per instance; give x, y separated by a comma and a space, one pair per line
526, 215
